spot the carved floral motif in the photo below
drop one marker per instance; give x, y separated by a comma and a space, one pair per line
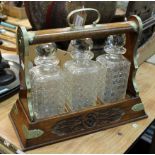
77, 124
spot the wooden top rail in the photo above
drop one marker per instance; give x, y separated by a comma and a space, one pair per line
89, 31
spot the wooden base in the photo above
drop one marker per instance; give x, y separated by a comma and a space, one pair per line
73, 124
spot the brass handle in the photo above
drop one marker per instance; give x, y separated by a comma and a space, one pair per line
80, 10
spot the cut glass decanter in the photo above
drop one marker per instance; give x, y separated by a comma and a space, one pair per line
82, 75
117, 67
47, 83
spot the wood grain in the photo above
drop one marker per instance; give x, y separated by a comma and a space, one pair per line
17, 22
115, 140
8, 38
74, 124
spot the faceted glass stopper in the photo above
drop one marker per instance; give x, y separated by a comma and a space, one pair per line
46, 54
46, 49
115, 43
82, 49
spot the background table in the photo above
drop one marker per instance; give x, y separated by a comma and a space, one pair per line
115, 140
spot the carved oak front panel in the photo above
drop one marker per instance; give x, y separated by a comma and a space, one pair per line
91, 120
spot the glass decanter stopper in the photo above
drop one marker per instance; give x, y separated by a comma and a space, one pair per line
114, 83
47, 83
82, 75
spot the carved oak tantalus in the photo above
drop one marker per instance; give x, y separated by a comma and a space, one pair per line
34, 134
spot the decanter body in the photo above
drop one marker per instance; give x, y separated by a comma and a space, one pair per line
47, 84
114, 84
82, 76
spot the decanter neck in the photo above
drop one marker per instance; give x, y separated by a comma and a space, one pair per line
114, 50
80, 55
82, 61
114, 56
46, 60
81, 50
